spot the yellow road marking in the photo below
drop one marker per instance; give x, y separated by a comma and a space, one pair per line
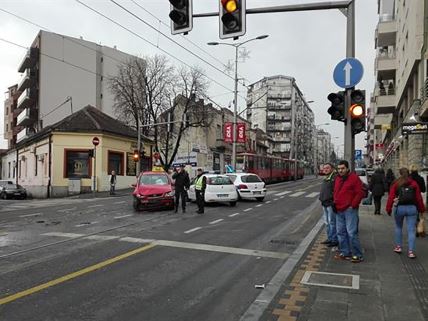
73, 275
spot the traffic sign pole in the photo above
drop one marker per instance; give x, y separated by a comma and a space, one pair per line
95, 142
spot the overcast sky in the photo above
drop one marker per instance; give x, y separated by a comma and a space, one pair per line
304, 45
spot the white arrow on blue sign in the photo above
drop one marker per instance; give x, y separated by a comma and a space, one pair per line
348, 73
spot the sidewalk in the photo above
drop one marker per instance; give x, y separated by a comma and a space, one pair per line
121, 192
392, 287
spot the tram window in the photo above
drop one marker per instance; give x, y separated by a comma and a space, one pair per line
251, 162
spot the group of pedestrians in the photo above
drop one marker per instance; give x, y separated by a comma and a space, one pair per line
341, 194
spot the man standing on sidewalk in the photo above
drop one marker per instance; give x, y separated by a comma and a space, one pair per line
326, 198
348, 193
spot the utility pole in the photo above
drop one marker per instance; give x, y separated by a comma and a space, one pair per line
137, 167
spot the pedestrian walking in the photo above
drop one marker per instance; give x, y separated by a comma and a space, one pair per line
112, 180
417, 178
405, 196
326, 198
377, 187
200, 185
182, 184
389, 179
348, 193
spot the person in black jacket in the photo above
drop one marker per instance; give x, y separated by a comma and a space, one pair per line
326, 198
377, 186
182, 184
418, 178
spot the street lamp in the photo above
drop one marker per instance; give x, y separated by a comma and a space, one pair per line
316, 147
235, 102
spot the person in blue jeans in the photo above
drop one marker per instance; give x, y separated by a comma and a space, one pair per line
326, 198
348, 193
406, 200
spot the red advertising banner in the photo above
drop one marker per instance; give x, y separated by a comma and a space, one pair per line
227, 134
240, 137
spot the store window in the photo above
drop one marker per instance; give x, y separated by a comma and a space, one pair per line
77, 164
116, 162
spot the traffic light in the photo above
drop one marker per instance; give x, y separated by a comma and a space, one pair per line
232, 18
136, 155
337, 108
181, 16
357, 111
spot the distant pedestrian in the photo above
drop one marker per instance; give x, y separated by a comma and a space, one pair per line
112, 181
389, 179
348, 193
200, 186
377, 186
417, 178
405, 195
326, 198
182, 184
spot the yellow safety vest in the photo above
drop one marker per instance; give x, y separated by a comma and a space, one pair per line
198, 184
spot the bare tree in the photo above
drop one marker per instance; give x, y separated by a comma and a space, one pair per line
154, 91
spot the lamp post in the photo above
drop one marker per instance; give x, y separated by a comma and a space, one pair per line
316, 147
235, 102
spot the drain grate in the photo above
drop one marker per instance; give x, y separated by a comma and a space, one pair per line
334, 280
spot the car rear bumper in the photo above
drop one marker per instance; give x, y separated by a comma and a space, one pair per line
252, 194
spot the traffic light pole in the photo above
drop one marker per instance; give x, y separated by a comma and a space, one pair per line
349, 148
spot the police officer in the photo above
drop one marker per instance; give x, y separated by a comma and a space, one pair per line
200, 185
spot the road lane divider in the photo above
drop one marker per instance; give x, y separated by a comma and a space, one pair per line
260, 205
29, 215
60, 234
117, 217
234, 214
192, 230
74, 275
217, 221
247, 209
268, 202
120, 202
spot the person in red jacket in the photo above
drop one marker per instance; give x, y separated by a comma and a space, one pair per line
348, 193
406, 198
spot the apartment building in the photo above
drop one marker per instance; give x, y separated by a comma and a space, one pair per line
399, 103
60, 74
277, 106
324, 147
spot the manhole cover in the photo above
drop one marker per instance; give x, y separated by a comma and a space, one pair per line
335, 280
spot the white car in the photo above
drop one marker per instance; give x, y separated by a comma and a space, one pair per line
249, 185
219, 189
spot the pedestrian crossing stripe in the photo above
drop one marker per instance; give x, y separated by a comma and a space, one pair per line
313, 194
297, 194
283, 193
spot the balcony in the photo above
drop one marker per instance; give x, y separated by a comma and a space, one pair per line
26, 118
29, 60
386, 31
21, 135
26, 99
28, 80
382, 121
385, 99
385, 64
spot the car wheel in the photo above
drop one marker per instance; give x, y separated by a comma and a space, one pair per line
4, 196
136, 205
233, 203
260, 199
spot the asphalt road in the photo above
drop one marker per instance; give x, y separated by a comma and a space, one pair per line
96, 259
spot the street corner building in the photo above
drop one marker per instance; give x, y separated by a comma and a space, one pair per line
61, 160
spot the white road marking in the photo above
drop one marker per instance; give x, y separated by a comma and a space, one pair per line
283, 193
221, 249
123, 216
67, 209
259, 205
98, 205
275, 199
216, 221
297, 194
282, 197
59, 234
101, 237
121, 202
29, 215
271, 192
313, 194
248, 209
234, 214
85, 224
135, 240
192, 230
267, 202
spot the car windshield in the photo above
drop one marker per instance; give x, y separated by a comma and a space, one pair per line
154, 179
219, 180
251, 179
360, 172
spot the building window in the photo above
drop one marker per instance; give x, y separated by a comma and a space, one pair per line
35, 164
77, 164
116, 162
8, 175
13, 169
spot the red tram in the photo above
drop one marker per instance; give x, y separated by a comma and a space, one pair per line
270, 168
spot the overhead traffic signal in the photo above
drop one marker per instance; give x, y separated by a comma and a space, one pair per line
232, 18
136, 155
357, 110
337, 108
181, 16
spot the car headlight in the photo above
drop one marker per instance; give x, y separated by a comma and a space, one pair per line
169, 194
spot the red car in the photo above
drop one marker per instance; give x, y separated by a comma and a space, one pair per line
153, 190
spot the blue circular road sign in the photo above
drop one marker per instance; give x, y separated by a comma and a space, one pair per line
348, 73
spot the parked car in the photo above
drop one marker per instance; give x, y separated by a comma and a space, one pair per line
249, 186
12, 191
153, 190
219, 188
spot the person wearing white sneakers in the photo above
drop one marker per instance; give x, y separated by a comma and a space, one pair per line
406, 198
